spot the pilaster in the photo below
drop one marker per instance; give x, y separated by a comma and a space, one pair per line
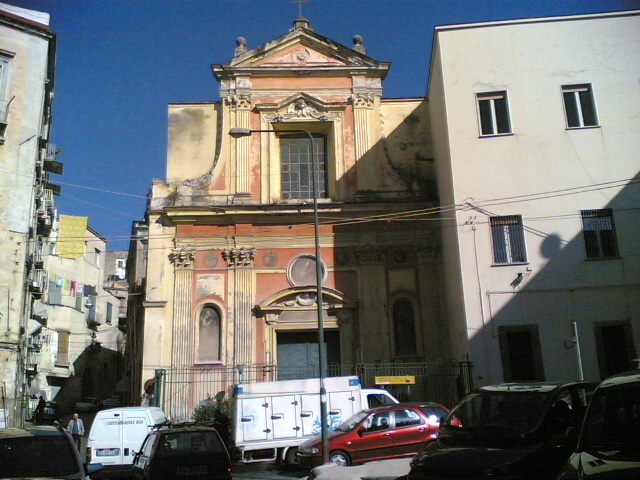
239, 108
374, 324
182, 324
242, 293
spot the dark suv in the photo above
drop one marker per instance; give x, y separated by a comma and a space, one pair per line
40, 452
508, 431
189, 451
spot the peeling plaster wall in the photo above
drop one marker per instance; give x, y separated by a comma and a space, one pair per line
191, 143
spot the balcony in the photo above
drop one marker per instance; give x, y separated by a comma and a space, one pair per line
50, 162
37, 281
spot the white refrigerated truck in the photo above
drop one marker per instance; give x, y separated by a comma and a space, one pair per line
271, 419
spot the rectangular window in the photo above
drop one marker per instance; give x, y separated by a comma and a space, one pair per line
507, 238
109, 313
296, 167
62, 356
493, 111
599, 233
579, 106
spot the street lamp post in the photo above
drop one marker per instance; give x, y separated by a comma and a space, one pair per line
238, 132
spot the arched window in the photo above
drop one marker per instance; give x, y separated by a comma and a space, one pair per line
209, 334
404, 328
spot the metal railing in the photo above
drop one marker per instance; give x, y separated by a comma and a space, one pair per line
179, 391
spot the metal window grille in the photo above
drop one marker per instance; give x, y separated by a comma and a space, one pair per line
296, 167
599, 233
507, 237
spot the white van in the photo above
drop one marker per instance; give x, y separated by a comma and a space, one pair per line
116, 436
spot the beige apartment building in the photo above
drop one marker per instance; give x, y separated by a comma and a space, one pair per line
537, 149
27, 57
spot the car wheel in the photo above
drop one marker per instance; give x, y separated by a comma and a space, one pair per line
340, 458
291, 458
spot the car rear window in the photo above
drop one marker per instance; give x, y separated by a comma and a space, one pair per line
181, 443
43, 456
516, 411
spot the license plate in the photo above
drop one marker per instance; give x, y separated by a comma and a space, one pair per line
107, 452
199, 470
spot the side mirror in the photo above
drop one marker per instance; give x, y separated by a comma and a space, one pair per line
360, 431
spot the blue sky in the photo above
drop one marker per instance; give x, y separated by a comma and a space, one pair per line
120, 62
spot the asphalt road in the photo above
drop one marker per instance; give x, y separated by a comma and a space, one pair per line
266, 471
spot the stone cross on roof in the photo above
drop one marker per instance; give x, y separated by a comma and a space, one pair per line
299, 2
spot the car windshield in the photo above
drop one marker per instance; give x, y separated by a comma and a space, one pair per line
39, 456
182, 443
493, 411
350, 423
613, 420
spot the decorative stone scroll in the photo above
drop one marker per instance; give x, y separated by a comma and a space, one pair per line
363, 100
182, 258
371, 254
301, 109
239, 257
240, 102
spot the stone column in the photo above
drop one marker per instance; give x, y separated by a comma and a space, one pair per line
182, 332
240, 106
242, 294
372, 293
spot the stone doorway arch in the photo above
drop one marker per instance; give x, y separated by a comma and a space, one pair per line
294, 311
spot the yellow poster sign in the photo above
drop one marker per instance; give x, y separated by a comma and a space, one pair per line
401, 380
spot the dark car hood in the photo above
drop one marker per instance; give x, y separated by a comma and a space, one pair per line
468, 459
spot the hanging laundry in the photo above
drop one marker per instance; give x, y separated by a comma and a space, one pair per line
73, 288
66, 286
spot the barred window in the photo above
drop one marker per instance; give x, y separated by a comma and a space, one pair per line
599, 233
579, 106
507, 238
296, 166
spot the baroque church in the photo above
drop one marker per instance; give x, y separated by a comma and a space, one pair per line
231, 288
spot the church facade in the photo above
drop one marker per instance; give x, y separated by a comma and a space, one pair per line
231, 257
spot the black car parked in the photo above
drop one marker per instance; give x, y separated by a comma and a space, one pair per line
609, 444
190, 451
40, 452
508, 431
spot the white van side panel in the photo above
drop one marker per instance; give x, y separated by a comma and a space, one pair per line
135, 426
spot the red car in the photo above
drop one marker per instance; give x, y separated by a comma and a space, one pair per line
391, 431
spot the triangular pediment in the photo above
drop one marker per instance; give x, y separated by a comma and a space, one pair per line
300, 48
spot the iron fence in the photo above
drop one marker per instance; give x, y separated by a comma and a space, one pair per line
179, 391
